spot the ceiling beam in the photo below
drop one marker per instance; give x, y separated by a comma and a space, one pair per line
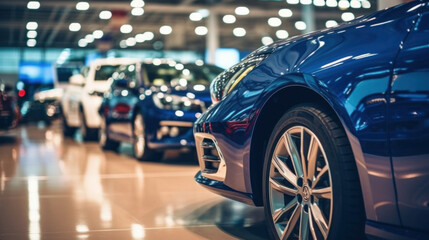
57, 27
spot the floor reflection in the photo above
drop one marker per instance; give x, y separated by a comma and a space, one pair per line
53, 187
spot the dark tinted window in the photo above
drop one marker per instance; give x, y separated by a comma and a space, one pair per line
103, 73
180, 74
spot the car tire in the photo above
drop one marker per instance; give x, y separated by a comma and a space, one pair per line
67, 130
105, 142
140, 149
320, 197
88, 134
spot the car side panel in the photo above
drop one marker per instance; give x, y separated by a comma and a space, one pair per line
409, 126
354, 77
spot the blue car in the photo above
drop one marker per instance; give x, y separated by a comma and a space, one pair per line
153, 105
328, 131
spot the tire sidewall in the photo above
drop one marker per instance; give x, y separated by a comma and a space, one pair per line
301, 116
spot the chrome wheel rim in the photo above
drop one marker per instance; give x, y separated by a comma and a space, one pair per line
139, 141
300, 186
102, 136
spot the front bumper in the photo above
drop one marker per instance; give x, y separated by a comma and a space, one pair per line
223, 146
171, 134
220, 188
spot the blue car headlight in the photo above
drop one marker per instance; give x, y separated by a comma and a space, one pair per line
225, 82
174, 102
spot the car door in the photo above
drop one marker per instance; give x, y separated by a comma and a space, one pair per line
409, 126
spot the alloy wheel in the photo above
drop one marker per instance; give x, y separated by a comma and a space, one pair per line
139, 138
83, 129
102, 136
300, 186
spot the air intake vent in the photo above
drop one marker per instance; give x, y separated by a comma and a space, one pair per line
211, 156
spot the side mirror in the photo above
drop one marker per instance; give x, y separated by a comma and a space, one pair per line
77, 79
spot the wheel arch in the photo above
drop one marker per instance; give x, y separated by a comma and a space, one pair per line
272, 110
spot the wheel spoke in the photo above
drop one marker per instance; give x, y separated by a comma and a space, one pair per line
319, 176
279, 213
312, 157
320, 220
281, 188
294, 154
303, 225
284, 170
323, 193
303, 159
292, 222
310, 221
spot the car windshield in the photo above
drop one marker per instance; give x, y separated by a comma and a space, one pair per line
103, 73
181, 74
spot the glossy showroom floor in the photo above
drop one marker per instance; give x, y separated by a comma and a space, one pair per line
61, 188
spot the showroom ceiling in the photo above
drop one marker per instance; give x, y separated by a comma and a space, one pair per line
54, 19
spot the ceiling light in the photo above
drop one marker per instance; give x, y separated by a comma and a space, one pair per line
105, 14
284, 12
229, 19
33, 5
204, 12
82, 6
319, 3
195, 16
165, 30
239, 32
355, 4
74, 27
31, 34
148, 36
282, 34
82, 43
267, 40
305, 2
347, 16
31, 42
140, 38
126, 28
331, 23
89, 38
300, 25
123, 44
199, 62
137, 11
137, 3
343, 4
366, 4
274, 22
98, 34
242, 11
292, 1
131, 42
32, 25
201, 30
331, 3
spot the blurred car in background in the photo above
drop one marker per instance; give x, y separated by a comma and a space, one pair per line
329, 131
153, 105
46, 103
9, 110
83, 96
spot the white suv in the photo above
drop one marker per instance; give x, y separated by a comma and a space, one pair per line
82, 98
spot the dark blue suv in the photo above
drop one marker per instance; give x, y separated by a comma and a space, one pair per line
153, 105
